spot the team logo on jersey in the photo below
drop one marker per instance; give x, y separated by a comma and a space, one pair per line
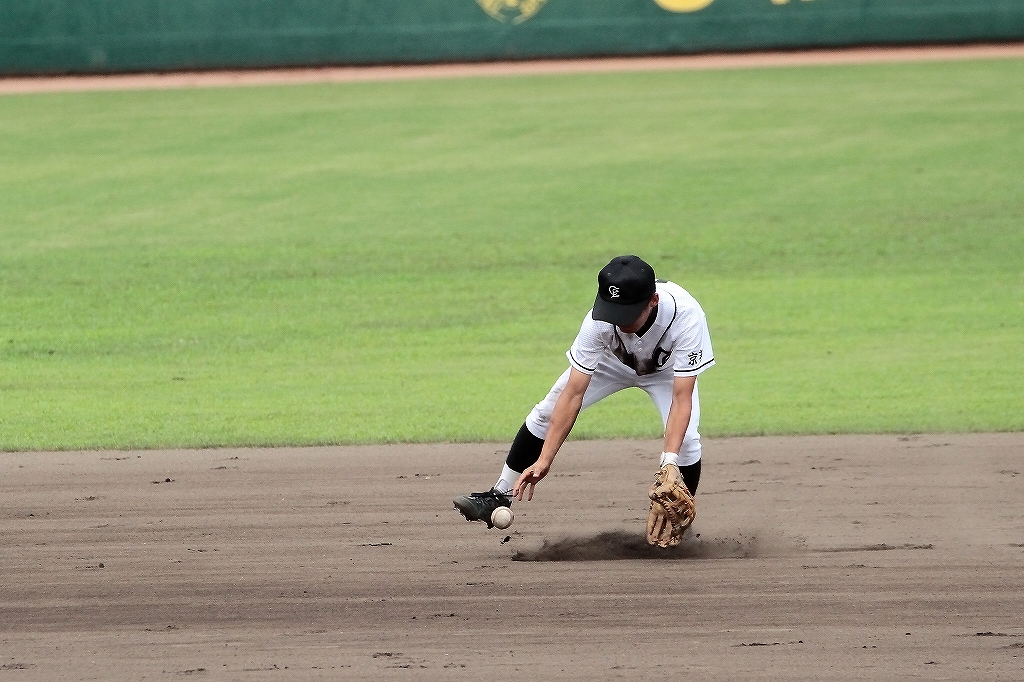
613, 292
511, 11
642, 364
694, 357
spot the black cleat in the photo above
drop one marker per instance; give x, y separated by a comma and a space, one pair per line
480, 506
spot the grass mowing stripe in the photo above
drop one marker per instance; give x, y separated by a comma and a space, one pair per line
408, 261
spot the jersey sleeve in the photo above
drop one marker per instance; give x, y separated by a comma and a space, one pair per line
587, 350
693, 353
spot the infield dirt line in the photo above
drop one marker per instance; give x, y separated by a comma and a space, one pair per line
348, 74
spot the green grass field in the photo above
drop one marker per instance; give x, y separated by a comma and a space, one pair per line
408, 261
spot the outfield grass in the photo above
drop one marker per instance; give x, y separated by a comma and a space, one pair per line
408, 261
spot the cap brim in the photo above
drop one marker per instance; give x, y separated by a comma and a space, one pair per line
621, 315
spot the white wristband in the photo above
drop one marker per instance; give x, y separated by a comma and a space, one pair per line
669, 458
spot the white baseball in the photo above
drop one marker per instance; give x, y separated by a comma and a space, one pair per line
502, 517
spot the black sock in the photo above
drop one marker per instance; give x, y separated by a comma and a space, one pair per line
691, 476
525, 450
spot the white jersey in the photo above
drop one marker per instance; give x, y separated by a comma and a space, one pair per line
678, 339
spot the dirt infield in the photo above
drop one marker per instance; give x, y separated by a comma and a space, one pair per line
381, 73
820, 558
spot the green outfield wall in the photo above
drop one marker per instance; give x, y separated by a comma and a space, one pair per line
77, 36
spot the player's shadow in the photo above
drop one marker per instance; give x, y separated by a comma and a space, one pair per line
616, 545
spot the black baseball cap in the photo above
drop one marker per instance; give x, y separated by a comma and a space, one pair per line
624, 287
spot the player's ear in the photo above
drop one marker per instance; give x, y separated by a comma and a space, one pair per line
654, 299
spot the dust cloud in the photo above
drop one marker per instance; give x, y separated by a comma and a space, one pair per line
621, 545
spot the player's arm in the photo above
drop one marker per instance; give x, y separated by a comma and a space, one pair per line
679, 413
567, 409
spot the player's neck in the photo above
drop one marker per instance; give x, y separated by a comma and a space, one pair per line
649, 323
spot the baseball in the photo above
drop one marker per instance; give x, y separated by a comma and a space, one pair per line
502, 517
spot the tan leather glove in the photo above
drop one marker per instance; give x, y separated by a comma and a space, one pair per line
672, 508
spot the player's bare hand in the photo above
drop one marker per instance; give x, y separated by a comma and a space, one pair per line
528, 481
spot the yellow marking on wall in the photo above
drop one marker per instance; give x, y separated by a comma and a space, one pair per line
694, 5
511, 11
683, 5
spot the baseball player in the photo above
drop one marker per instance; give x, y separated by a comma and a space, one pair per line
641, 332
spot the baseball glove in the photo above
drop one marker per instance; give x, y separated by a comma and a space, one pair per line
672, 508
